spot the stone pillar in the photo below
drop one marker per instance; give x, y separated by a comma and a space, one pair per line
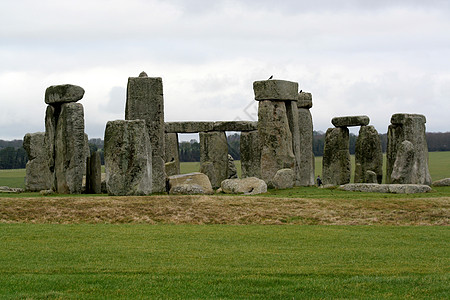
336, 157
274, 134
128, 158
172, 157
145, 101
412, 156
292, 114
94, 174
214, 156
250, 154
368, 156
38, 174
307, 163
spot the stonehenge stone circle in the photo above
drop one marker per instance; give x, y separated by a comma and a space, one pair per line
336, 157
350, 121
214, 156
128, 158
38, 174
145, 101
63, 93
368, 156
401, 156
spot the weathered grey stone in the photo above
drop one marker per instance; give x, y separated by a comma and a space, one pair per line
350, 121
275, 90
187, 189
368, 156
371, 177
214, 156
442, 182
145, 102
292, 115
172, 156
336, 157
70, 149
51, 116
386, 188
409, 127
248, 185
7, 189
250, 154
306, 165
128, 158
188, 127
198, 181
232, 171
63, 94
38, 175
235, 126
304, 100
94, 174
284, 179
403, 166
275, 139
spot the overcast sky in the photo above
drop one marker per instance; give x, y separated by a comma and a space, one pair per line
374, 58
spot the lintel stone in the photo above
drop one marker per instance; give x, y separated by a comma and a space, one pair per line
63, 93
348, 121
275, 90
193, 127
401, 119
304, 100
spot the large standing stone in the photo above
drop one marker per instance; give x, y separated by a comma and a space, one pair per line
275, 139
171, 154
402, 171
368, 156
306, 165
232, 171
38, 175
214, 156
128, 158
63, 93
336, 157
70, 149
94, 174
250, 154
407, 127
292, 114
145, 102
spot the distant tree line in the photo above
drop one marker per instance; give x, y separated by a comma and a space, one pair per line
13, 156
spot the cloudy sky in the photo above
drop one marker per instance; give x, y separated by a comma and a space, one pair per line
369, 57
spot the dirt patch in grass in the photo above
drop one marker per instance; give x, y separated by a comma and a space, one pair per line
225, 210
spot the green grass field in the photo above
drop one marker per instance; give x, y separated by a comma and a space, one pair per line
226, 262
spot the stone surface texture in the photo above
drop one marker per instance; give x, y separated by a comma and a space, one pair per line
145, 101
336, 157
203, 126
284, 179
368, 156
128, 158
304, 100
275, 90
250, 154
57, 94
232, 171
306, 165
171, 154
214, 156
198, 182
275, 139
248, 185
442, 182
94, 174
386, 188
412, 164
348, 121
70, 155
294, 127
38, 175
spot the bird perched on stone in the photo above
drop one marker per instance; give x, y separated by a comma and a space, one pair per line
300, 91
271, 76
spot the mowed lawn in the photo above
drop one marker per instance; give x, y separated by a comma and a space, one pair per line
221, 261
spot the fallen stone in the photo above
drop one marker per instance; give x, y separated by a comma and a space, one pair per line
350, 121
386, 188
275, 90
249, 185
442, 182
200, 183
284, 179
47, 192
187, 189
304, 100
63, 93
7, 189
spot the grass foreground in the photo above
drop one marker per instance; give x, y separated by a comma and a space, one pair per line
227, 262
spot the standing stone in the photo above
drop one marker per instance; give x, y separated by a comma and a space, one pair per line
145, 101
70, 149
172, 156
407, 127
128, 158
368, 156
306, 165
336, 157
231, 171
38, 175
250, 154
214, 156
403, 169
94, 174
51, 117
275, 139
292, 115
